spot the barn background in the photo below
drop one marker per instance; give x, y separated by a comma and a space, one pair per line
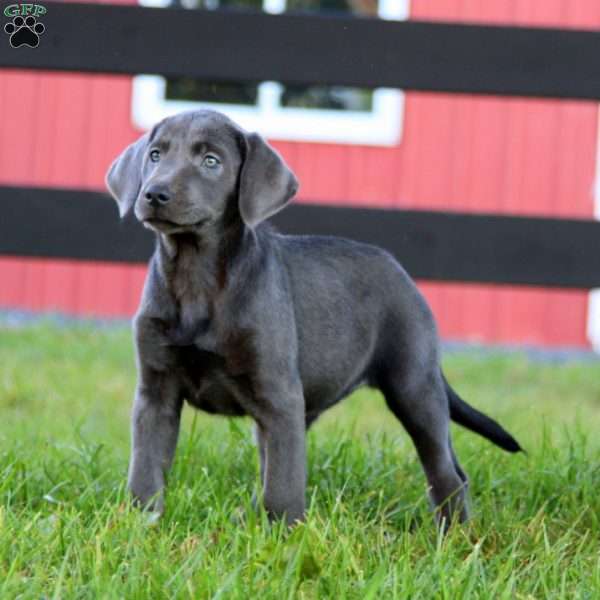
462, 153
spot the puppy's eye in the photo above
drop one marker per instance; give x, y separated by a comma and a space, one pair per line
155, 155
211, 161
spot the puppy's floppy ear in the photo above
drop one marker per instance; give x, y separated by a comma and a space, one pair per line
124, 177
266, 182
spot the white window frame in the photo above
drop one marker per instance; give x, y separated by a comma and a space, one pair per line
381, 126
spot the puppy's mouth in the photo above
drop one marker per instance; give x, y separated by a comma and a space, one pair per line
167, 226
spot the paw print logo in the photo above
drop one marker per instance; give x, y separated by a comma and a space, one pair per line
24, 32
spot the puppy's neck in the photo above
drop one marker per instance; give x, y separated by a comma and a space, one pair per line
201, 263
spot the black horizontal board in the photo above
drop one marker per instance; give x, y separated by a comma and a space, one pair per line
57, 223
467, 247
84, 225
237, 45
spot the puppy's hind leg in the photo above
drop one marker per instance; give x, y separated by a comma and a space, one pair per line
457, 466
422, 407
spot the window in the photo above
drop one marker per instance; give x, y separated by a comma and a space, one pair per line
318, 113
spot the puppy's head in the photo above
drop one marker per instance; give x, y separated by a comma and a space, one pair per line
194, 168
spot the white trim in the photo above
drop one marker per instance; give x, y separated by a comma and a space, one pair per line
382, 126
593, 316
593, 324
274, 7
394, 10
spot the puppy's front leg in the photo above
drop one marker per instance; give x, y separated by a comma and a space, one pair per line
283, 439
154, 428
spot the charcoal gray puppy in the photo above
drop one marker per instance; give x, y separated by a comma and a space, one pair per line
237, 319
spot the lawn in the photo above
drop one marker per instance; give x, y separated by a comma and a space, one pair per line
68, 531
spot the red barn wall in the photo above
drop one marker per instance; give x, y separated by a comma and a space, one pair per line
463, 153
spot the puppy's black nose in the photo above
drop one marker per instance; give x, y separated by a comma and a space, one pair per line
157, 194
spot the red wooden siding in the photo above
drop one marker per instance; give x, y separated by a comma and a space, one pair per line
457, 153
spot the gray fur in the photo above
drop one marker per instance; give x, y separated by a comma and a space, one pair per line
237, 319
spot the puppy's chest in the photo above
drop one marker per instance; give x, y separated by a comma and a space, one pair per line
195, 321
208, 364
209, 384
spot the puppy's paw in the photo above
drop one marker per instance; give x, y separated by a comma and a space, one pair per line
147, 501
153, 517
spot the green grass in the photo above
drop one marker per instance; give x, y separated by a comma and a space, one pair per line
68, 531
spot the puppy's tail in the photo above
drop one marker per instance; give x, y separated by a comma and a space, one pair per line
476, 421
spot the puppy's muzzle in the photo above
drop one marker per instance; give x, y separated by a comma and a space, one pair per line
157, 195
